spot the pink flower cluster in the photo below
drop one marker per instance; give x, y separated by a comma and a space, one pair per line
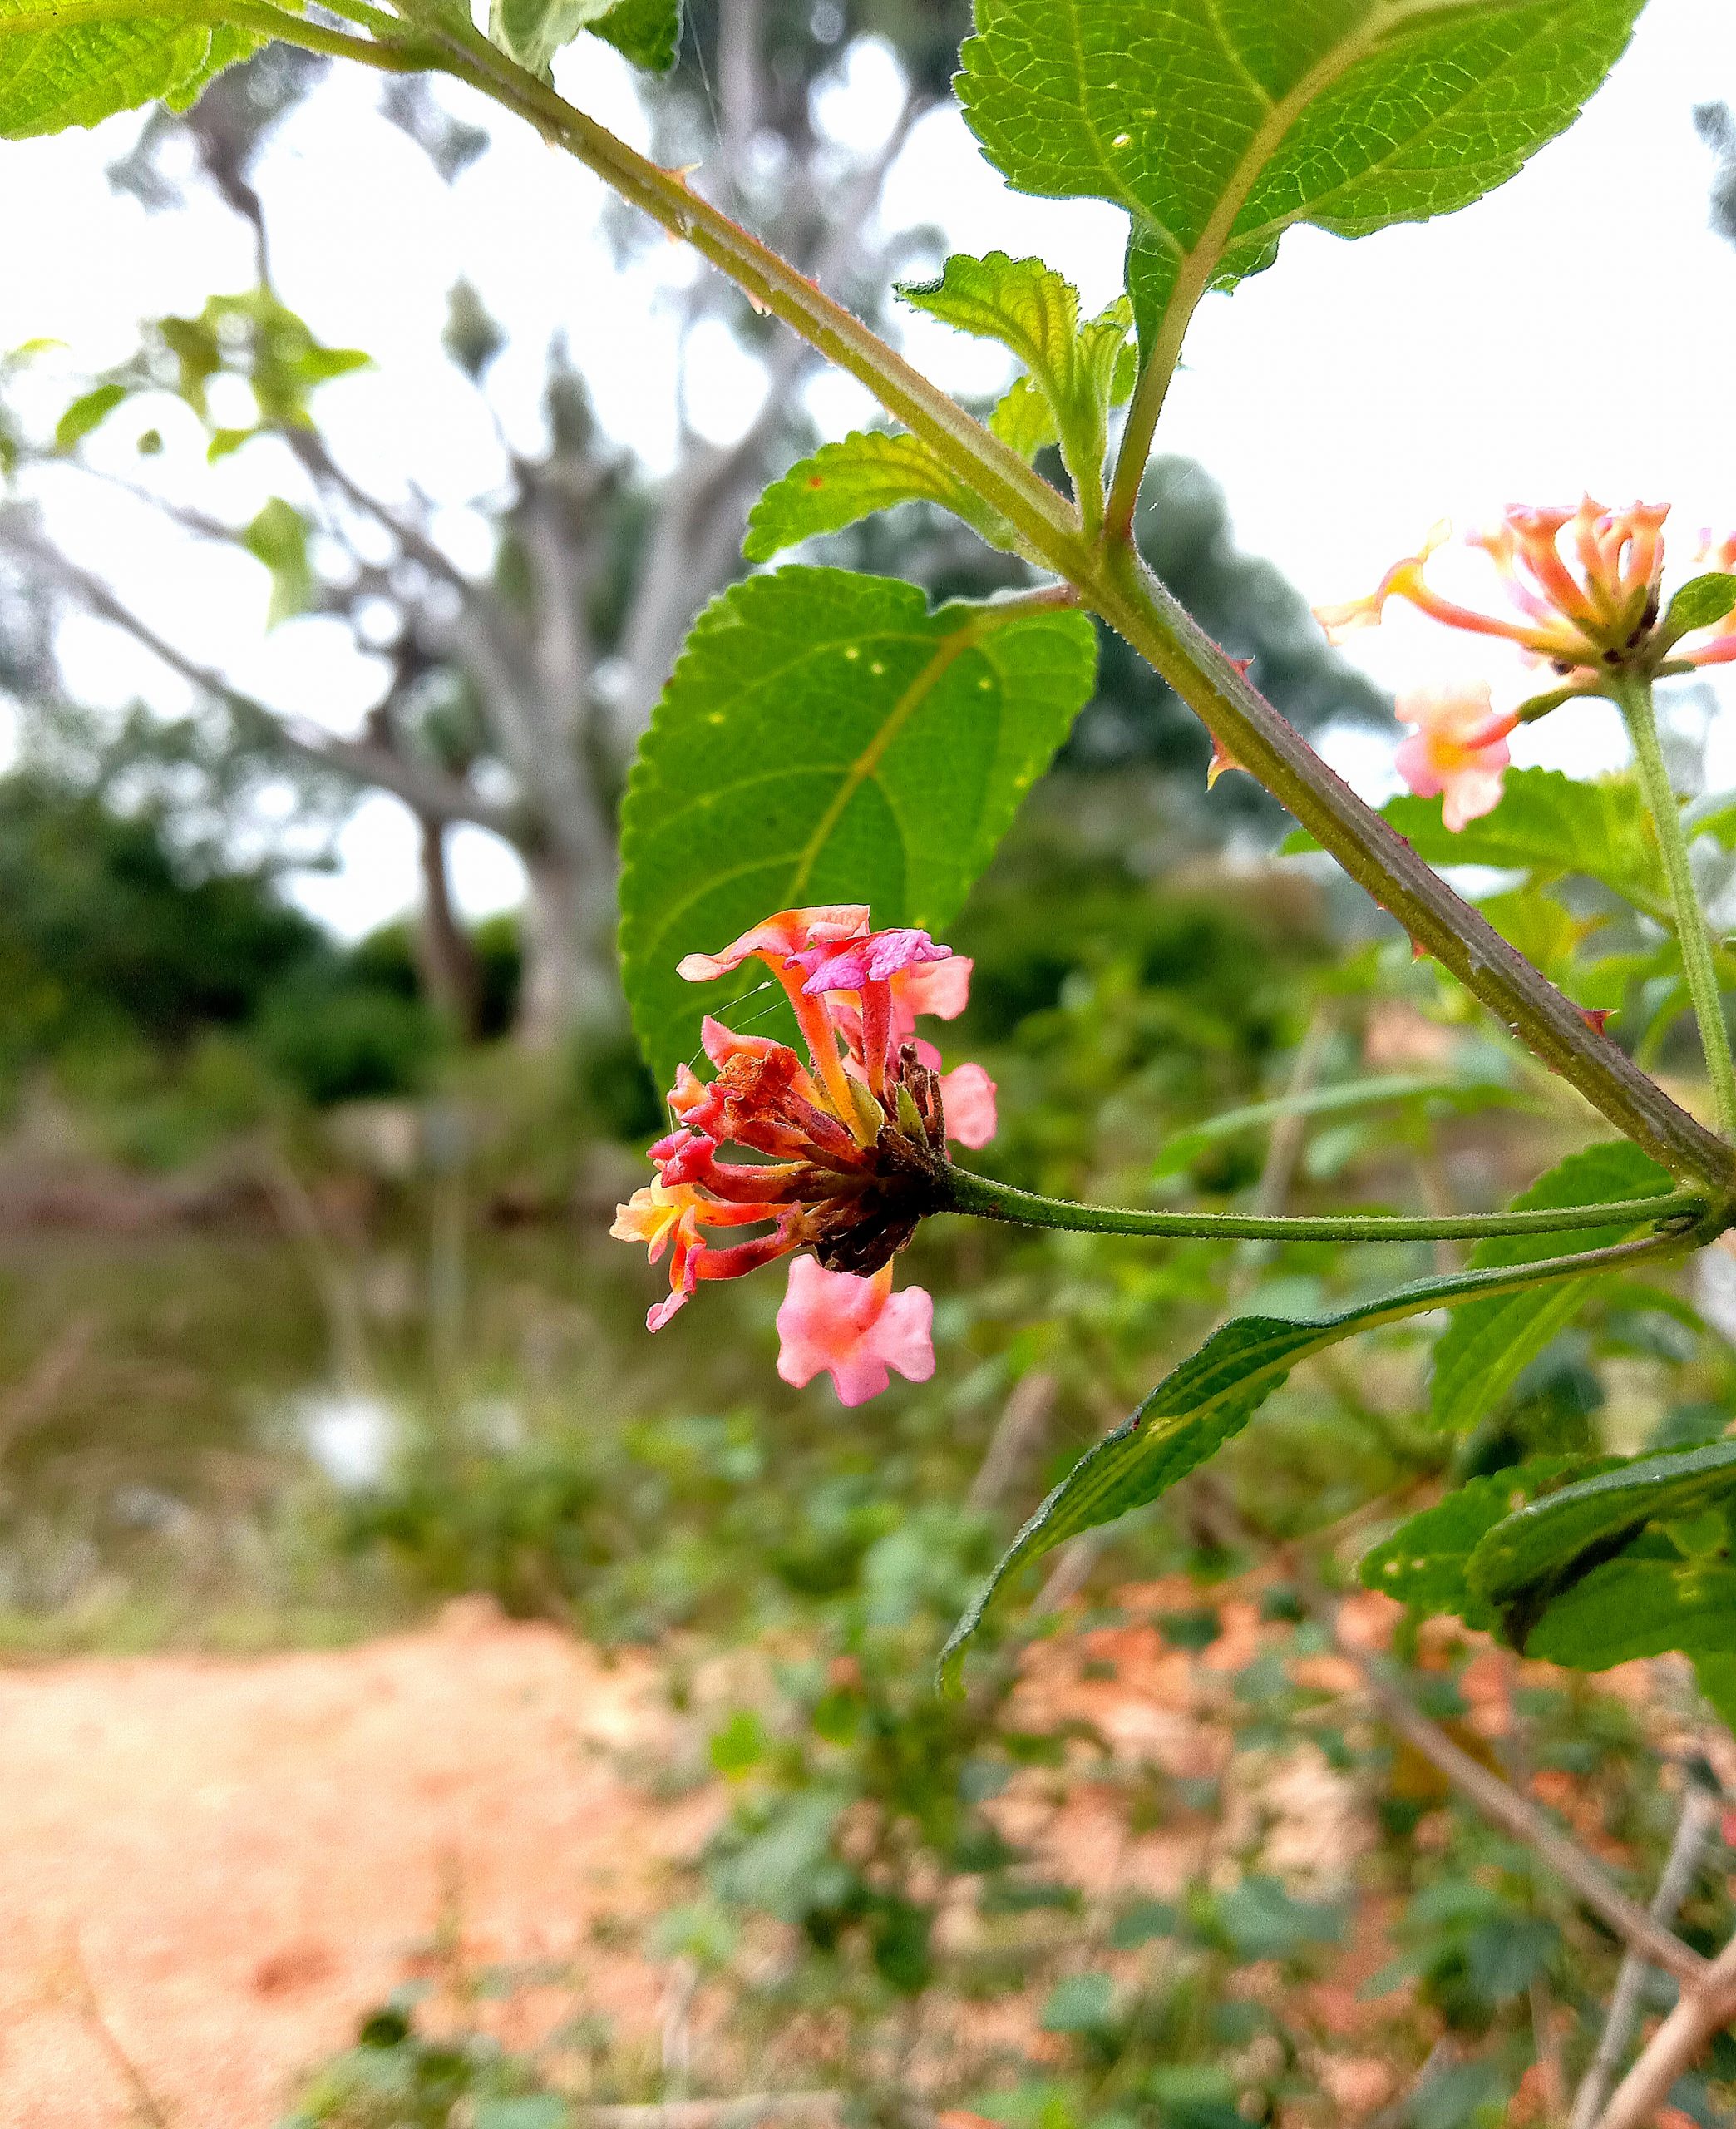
851, 1143
1586, 589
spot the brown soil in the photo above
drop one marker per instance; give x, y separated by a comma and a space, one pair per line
209, 1869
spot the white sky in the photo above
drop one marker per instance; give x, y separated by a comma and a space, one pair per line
1575, 329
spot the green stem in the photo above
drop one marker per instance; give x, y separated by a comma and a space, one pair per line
1114, 583
985, 1199
1379, 859
1634, 697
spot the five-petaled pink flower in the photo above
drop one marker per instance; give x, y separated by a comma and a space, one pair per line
1458, 751
853, 1141
856, 1330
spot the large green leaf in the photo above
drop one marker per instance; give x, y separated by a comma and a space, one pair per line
61, 65
1634, 1607
1196, 1410
1217, 124
1485, 1346
1423, 1563
1557, 1537
826, 737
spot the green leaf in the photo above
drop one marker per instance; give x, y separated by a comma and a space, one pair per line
1529, 1558
85, 413
61, 65
826, 737
1485, 1346
1631, 1608
1700, 602
278, 538
1714, 814
869, 470
531, 31
1717, 1678
1423, 1563
1080, 371
1196, 1410
646, 31
1548, 825
1217, 124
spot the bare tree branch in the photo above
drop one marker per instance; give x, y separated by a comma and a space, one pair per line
1694, 1829
437, 797
1516, 1815
1704, 2008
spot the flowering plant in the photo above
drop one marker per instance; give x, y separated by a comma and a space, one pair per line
828, 732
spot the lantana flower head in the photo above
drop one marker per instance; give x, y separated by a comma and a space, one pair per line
850, 1141
1583, 586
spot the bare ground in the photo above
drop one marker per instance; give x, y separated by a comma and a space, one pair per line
208, 1870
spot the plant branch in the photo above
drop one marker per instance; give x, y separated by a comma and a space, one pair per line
1518, 1816
1634, 697
1116, 585
1707, 2003
1127, 593
984, 1199
1700, 1815
428, 791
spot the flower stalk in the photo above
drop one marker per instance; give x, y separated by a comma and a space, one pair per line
1633, 697
984, 1199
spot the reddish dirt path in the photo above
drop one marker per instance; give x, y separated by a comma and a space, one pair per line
242, 1857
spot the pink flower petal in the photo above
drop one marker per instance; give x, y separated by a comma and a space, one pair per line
780, 936
941, 988
968, 1096
875, 959
854, 1330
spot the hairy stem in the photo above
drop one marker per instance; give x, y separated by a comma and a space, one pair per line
1131, 600
980, 1195
1634, 697
1115, 585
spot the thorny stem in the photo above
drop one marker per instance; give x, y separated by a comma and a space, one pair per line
1115, 585
1111, 578
980, 1195
1634, 696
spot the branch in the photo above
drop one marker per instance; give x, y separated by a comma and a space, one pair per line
311, 450
1496, 1799
429, 792
739, 2113
1704, 2008
1119, 587
1699, 1815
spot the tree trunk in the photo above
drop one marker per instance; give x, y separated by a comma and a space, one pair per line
569, 987
450, 973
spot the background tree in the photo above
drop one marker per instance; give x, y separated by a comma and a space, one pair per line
512, 696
